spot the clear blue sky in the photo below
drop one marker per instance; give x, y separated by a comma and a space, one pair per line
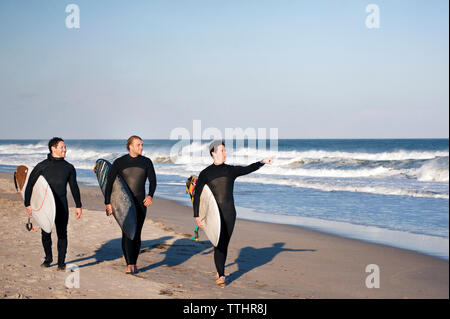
309, 68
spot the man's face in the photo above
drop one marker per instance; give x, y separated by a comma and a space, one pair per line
220, 155
136, 147
59, 151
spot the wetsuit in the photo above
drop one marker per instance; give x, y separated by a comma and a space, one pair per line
58, 172
135, 171
220, 179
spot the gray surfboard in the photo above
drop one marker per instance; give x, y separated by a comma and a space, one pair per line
123, 207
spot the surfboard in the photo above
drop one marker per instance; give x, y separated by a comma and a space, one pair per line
209, 215
42, 201
122, 202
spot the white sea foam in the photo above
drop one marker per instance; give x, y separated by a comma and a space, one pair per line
435, 170
288, 168
28, 149
329, 187
293, 156
244, 155
363, 172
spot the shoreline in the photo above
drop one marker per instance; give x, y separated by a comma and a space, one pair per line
339, 230
265, 260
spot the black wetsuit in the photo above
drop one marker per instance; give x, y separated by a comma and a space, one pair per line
58, 172
135, 171
220, 179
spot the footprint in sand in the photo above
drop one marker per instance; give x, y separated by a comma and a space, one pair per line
166, 292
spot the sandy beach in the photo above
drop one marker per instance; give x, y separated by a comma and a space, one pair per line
264, 260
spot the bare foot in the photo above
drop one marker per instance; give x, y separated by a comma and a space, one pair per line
129, 269
221, 281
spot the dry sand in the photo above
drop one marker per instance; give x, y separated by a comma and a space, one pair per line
264, 260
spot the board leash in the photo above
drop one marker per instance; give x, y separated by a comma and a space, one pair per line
29, 224
195, 237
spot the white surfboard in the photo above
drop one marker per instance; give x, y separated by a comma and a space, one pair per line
209, 215
42, 201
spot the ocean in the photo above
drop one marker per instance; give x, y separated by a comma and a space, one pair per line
388, 191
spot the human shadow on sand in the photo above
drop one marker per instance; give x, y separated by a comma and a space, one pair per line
112, 250
250, 258
178, 252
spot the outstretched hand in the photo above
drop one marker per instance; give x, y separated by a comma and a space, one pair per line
268, 160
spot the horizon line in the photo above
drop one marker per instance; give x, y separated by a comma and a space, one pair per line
290, 138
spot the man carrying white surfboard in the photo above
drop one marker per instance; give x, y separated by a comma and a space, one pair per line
220, 179
58, 173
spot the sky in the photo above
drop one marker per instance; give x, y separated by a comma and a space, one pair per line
310, 69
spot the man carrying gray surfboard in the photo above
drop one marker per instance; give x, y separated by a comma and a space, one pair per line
135, 169
58, 173
220, 177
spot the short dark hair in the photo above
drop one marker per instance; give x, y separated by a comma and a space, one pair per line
54, 142
213, 146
